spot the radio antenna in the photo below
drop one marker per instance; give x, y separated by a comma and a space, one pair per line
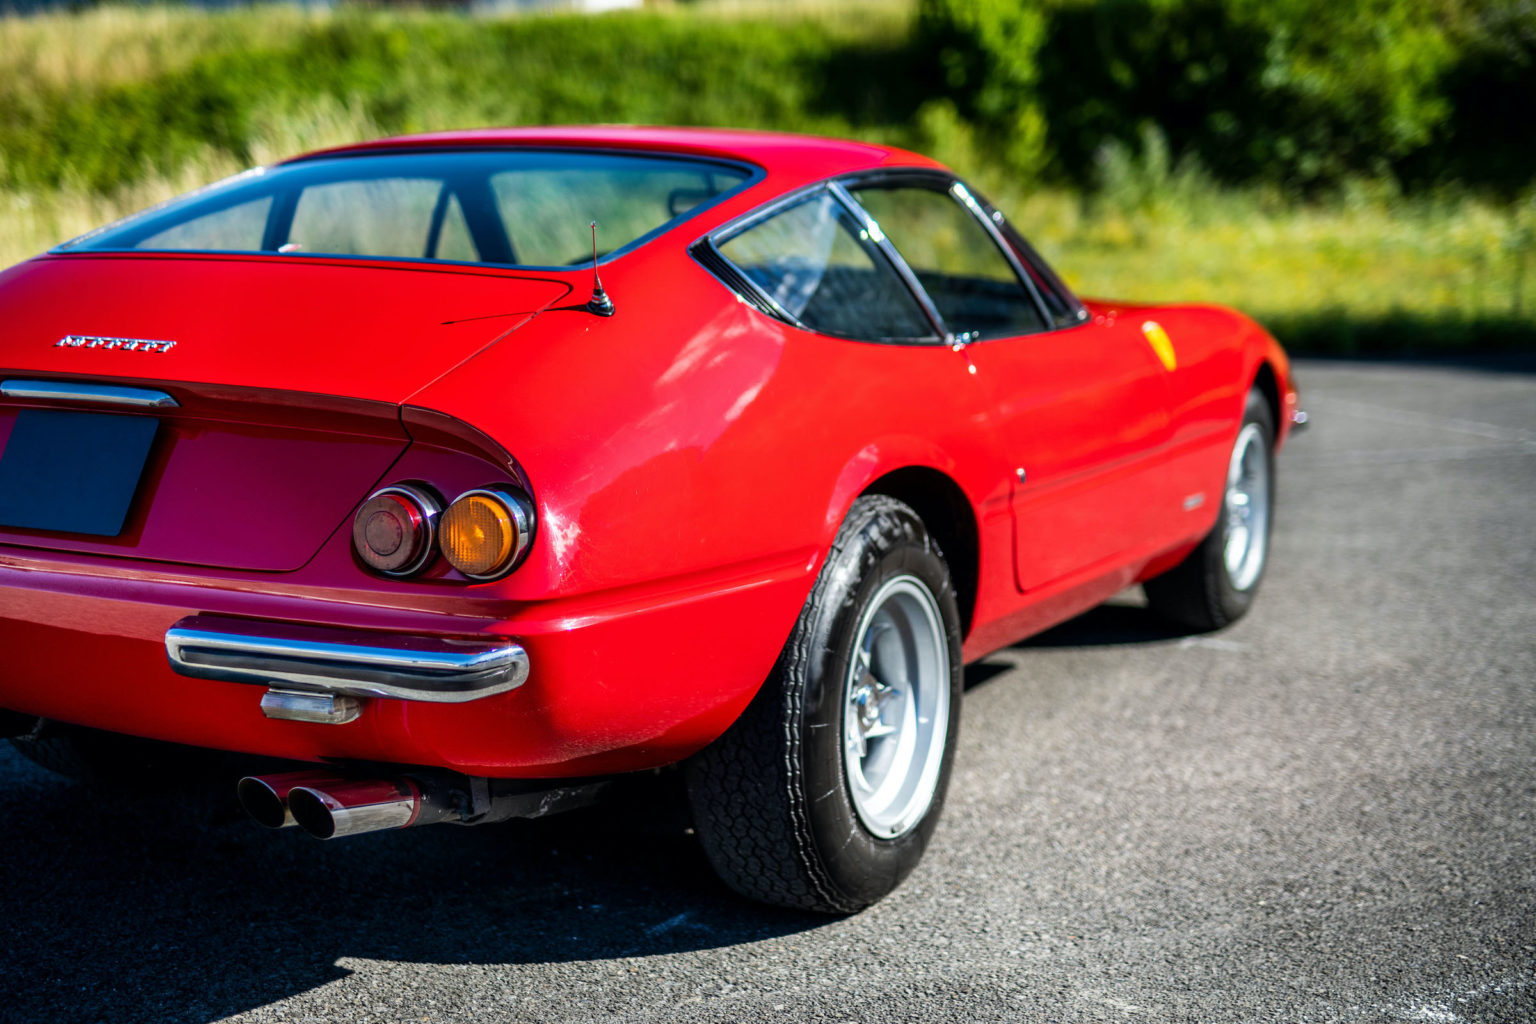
599, 303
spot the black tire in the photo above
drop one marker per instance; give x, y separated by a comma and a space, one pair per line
1200, 592
771, 799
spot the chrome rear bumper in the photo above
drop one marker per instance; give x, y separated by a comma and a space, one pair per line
343, 662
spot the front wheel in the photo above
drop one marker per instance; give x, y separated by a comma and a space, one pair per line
825, 792
1215, 584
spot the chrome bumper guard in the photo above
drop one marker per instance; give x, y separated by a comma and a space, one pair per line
344, 662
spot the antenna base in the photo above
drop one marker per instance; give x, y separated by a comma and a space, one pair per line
600, 304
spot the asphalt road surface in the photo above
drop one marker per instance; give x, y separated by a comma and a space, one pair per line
1324, 813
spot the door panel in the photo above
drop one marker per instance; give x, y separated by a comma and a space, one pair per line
1083, 412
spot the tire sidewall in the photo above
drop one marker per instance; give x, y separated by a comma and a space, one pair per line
1235, 602
859, 865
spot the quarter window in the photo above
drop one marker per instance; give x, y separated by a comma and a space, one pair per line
970, 281
816, 263
1064, 310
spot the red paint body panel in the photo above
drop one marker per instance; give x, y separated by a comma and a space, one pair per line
690, 460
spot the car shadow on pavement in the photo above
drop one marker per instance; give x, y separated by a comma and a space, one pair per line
1122, 621
178, 909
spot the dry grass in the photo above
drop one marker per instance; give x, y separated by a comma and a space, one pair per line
1417, 260
1456, 259
1153, 232
119, 44
112, 45
36, 220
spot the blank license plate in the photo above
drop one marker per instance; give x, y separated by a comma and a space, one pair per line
73, 472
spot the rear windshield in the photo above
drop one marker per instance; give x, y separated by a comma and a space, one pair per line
527, 208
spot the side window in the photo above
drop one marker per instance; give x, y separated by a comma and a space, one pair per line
1062, 306
821, 268
966, 275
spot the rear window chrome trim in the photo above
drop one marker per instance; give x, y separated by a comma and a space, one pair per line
96, 394
354, 663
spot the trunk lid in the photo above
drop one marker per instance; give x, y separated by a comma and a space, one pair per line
375, 330
287, 377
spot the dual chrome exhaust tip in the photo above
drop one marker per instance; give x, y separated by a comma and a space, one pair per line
327, 805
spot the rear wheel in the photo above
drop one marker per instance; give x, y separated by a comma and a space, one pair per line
1215, 584
825, 792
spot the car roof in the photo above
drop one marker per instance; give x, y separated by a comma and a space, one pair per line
782, 156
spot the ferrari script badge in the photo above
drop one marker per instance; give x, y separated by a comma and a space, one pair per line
126, 344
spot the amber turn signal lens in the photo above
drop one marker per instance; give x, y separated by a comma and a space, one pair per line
485, 532
393, 532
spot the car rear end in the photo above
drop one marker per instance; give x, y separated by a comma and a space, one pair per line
223, 522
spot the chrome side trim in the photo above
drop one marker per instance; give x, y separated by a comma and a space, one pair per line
319, 659
100, 394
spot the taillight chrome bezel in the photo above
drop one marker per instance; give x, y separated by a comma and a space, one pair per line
524, 518
427, 507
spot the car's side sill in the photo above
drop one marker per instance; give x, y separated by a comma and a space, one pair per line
354, 663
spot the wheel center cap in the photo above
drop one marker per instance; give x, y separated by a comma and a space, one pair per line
872, 697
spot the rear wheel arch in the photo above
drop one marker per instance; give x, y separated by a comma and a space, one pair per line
1267, 384
950, 520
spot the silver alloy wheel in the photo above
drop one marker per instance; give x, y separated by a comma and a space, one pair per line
1247, 508
896, 708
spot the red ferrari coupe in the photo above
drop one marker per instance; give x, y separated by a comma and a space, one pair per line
476, 470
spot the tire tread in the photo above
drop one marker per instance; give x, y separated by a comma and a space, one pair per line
747, 789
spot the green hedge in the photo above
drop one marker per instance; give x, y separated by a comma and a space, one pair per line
1301, 93
425, 72
1298, 92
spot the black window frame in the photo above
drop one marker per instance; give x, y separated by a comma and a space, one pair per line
1019, 251
1008, 241
707, 251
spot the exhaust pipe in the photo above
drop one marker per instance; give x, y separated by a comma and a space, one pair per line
265, 797
349, 807
328, 805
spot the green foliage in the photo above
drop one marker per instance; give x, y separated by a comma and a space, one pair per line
1294, 91
986, 53
1146, 179
1491, 90
420, 72
1247, 152
1303, 94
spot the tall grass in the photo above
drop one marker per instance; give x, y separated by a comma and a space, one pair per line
1360, 269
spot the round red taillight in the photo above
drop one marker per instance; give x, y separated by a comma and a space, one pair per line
395, 530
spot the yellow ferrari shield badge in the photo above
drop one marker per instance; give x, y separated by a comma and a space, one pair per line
1160, 342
